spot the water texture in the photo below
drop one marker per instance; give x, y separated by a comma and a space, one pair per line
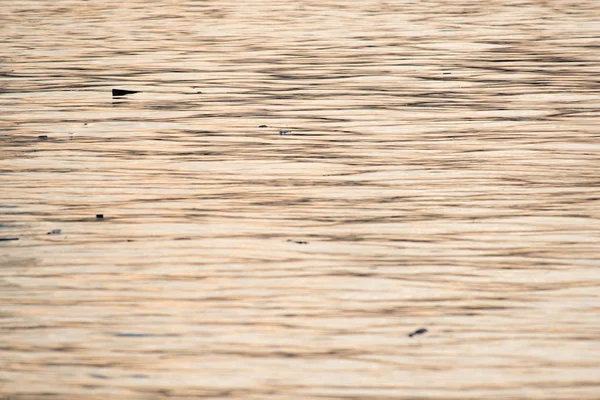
298, 186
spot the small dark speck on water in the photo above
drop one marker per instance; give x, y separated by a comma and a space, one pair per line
418, 332
284, 131
43, 137
144, 335
8, 238
123, 92
132, 335
263, 126
298, 241
99, 216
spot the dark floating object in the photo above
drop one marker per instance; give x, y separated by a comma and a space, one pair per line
122, 92
144, 335
132, 335
447, 73
263, 126
298, 241
99, 216
43, 137
7, 239
418, 332
54, 232
284, 131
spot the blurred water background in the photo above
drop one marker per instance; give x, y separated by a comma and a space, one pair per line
440, 170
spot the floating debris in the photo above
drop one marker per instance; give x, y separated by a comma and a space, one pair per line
43, 137
284, 131
99, 216
446, 73
54, 232
7, 239
418, 332
144, 335
263, 126
122, 92
124, 334
297, 241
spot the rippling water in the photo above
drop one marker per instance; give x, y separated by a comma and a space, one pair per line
441, 171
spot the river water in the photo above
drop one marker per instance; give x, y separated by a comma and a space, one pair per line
438, 167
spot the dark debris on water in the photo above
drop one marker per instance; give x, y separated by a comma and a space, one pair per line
418, 332
123, 92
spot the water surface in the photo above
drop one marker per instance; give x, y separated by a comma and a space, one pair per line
441, 172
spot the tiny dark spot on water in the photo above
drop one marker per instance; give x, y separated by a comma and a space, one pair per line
43, 137
420, 331
123, 92
99, 216
132, 335
263, 126
297, 241
98, 376
144, 335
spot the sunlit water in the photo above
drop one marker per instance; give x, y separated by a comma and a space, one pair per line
441, 171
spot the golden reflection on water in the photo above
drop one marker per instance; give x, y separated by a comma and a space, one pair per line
440, 172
